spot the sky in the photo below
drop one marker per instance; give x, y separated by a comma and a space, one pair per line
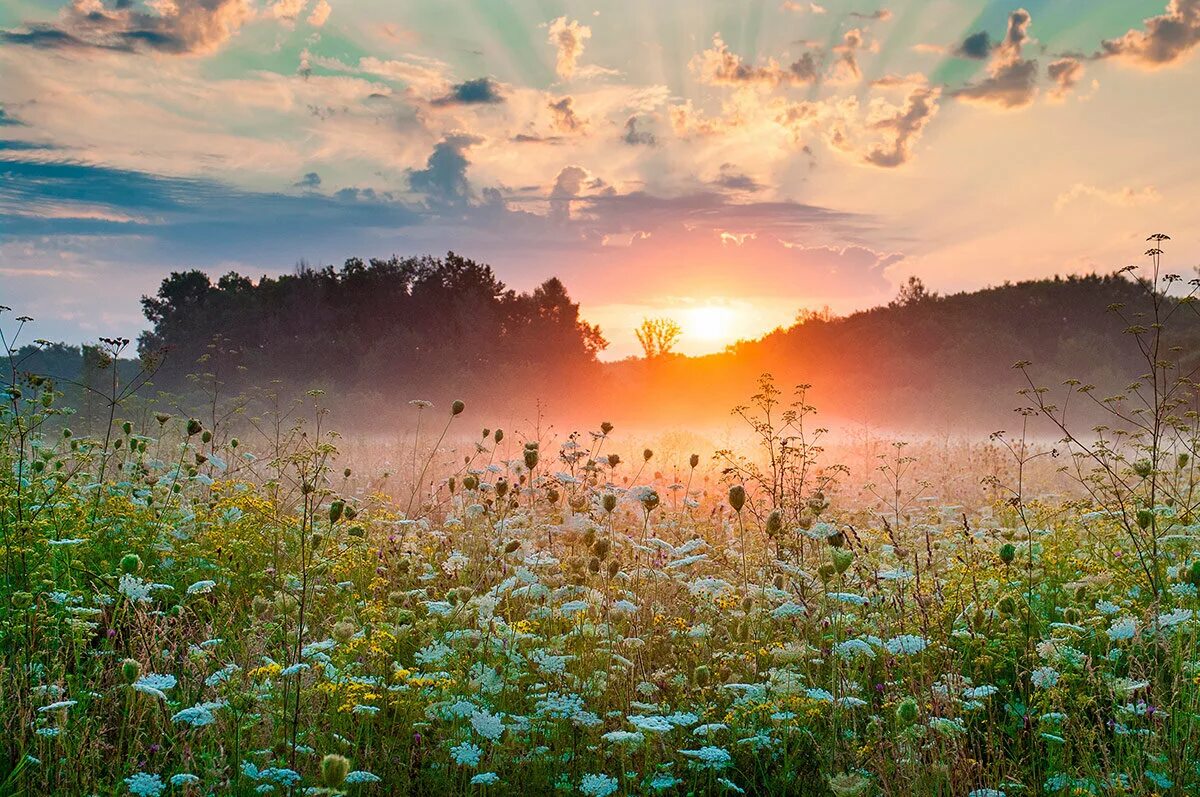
725, 164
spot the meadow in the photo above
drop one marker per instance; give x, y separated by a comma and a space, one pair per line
234, 606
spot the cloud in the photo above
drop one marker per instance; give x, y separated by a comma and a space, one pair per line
480, 91
566, 187
6, 120
1012, 80
565, 119
288, 9
568, 37
977, 46
443, 181
1124, 197
845, 69
184, 27
792, 5
719, 66
320, 14
634, 136
311, 180
882, 14
903, 129
1165, 40
734, 180
1065, 72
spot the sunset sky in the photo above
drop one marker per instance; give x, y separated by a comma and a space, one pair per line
723, 163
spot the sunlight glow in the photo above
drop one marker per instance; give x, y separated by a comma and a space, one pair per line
710, 323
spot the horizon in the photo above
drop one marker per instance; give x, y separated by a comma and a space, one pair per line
749, 166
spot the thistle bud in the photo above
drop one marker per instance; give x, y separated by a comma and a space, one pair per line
737, 497
552, 495
779, 581
646, 455
650, 500
614, 460
600, 548
206, 436
907, 711
131, 563
512, 546
531, 458
130, 670
162, 418
774, 523
702, 676
594, 565
335, 510
470, 481
501, 488
609, 502
193, 427
694, 460
127, 427
1144, 518
334, 769
498, 436
606, 427
1008, 552
457, 407
747, 604
614, 567
356, 531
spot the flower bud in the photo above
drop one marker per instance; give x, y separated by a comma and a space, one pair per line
907, 711
130, 670
1008, 552
457, 407
131, 563
737, 497
334, 769
694, 460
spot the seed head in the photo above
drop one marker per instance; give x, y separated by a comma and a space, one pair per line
737, 497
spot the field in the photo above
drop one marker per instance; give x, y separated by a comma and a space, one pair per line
191, 613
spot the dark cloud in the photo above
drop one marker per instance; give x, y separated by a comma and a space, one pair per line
565, 119
1011, 80
734, 180
881, 14
310, 180
1164, 40
8, 121
533, 138
443, 181
977, 46
480, 91
806, 68
195, 26
903, 129
635, 137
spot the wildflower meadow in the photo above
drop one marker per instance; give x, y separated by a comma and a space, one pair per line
195, 604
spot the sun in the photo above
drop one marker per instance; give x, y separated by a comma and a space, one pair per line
708, 323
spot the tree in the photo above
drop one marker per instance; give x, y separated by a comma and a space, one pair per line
658, 336
912, 292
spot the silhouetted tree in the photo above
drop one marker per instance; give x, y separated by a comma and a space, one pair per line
658, 336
